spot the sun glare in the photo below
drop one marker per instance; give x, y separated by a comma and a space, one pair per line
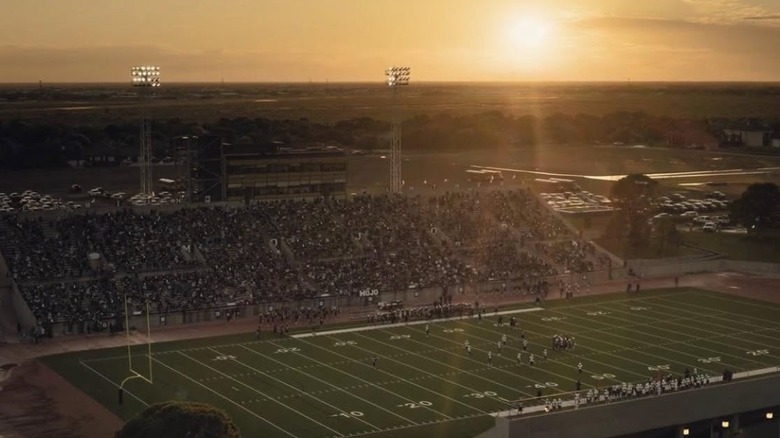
529, 33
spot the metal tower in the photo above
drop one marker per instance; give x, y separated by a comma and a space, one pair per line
396, 77
146, 78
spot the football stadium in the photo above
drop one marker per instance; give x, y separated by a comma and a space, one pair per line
477, 311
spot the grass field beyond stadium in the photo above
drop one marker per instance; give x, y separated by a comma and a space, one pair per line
326, 385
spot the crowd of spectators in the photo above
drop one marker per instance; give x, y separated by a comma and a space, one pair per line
573, 255
202, 257
93, 300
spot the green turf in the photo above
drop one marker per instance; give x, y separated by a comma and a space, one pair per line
764, 247
325, 386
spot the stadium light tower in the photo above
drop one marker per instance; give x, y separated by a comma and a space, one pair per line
396, 77
147, 78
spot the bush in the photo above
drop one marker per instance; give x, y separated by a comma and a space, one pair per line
180, 419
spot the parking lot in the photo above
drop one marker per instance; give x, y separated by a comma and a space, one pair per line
577, 202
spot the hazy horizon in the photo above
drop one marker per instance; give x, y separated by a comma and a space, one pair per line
382, 84
295, 41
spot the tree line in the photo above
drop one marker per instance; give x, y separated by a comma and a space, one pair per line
35, 144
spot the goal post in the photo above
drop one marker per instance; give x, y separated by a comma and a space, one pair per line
135, 374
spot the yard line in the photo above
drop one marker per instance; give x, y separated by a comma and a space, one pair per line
622, 347
661, 345
506, 358
607, 300
715, 314
426, 372
756, 329
736, 315
384, 326
112, 382
224, 397
398, 377
556, 361
402, 324
708, 339
328, 383
260, 392
450, 366
744, 301
449, 351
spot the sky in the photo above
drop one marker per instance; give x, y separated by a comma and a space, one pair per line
355, 40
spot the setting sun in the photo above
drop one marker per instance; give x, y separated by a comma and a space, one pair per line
529, 33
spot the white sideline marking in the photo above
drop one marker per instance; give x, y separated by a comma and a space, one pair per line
330, 384
689, 342
570, 403
112, 382
751, 373
390, 357
260, 392
254, 414
381, 326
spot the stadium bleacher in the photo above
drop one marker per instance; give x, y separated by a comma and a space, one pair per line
286, 250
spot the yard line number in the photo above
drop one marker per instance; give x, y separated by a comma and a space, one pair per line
659, 368
481, 394
351, 414
455, 330
714, 359
344, 343
419, 404
397, 337
553, 318
288, 350
603, 376
597, 313
758, 352
225, 357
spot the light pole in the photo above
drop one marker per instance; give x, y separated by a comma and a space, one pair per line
146, 78
396, 77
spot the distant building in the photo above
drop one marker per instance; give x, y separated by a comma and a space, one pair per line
241, 172
745, 137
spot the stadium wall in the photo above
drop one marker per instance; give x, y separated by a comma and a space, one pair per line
707, 404
24, 315
669, 267
360, 306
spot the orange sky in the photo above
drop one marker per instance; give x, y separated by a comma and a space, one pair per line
354, 40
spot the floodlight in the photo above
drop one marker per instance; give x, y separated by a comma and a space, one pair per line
770, 415
397, 76
686, 432
145, 76
724, 424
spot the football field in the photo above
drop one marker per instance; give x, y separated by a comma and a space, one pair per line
326, 385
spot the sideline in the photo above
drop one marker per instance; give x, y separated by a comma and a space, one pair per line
381, 326
570, 403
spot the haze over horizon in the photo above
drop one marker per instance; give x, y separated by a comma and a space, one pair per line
354, 40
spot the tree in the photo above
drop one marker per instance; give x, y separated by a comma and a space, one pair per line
180, 419
633, 195
667, 235
758, 208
